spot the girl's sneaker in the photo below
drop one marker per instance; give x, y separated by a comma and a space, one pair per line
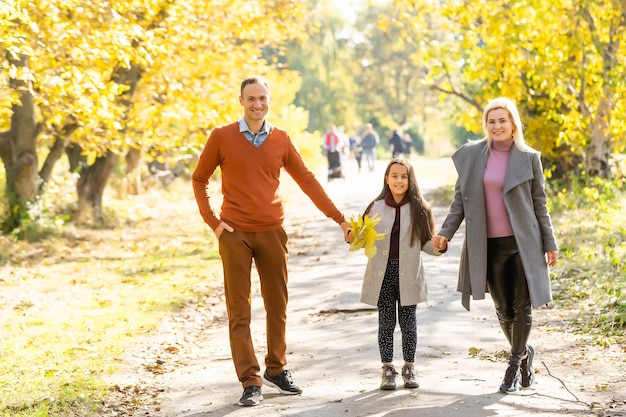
409, 376
389, 378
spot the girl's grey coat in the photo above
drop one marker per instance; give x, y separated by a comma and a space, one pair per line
525, 201
413, 289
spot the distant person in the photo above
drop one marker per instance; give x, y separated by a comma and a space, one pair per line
509, 241
394, 277
407, 142
344, 151
343, 137
356, 151
335, 139
369, 142
396, 145
334, 146
251, 153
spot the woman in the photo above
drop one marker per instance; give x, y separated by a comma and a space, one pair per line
509, 241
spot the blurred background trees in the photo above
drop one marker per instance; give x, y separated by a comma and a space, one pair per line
94, 93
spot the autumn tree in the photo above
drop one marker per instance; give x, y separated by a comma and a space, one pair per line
565, 73
116, 76
17, 143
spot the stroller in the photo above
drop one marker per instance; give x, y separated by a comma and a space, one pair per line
334, 165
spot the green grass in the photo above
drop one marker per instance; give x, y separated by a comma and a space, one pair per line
590, 279
72, 303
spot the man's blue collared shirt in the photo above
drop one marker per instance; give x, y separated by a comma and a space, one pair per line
255, 139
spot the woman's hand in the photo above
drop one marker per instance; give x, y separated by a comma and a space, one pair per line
552, 257
440, 243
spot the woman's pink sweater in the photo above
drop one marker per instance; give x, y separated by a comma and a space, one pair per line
498, 224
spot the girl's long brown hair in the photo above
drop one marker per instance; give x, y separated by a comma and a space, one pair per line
422, 219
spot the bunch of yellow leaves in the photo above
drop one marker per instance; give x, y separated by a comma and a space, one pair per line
364, 230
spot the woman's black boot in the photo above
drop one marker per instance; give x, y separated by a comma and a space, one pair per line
526, 367
511, 376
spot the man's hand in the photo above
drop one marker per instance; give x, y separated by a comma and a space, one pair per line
347, 234
222, 226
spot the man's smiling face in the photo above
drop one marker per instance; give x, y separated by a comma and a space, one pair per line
255, 100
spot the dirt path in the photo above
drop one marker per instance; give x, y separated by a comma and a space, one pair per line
185, 369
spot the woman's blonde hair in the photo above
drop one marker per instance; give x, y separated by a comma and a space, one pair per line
511, 108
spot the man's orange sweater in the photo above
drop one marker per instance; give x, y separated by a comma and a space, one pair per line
250, 180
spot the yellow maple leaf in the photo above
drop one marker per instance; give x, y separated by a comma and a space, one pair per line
365, 234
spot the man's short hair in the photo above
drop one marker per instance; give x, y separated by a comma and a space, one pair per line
253, 80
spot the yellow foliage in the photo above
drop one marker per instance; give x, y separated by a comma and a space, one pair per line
188, 59
561, 61
365, 234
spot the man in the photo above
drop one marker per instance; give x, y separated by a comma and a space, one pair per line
251, 153
369, 142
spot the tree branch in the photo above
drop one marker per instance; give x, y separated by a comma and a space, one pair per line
454, 92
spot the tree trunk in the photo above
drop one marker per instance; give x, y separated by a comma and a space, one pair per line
75, 157
93, 178
133, 173
599, 150
91, 185
18, 149
56, 151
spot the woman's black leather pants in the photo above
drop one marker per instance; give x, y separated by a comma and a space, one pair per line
508, 288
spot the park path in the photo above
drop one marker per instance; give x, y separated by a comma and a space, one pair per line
332, 347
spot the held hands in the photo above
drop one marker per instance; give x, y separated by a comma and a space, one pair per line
440, 243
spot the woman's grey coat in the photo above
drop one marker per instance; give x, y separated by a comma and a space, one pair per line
525, 201
413, 289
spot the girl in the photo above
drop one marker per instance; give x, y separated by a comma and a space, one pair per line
394, 276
